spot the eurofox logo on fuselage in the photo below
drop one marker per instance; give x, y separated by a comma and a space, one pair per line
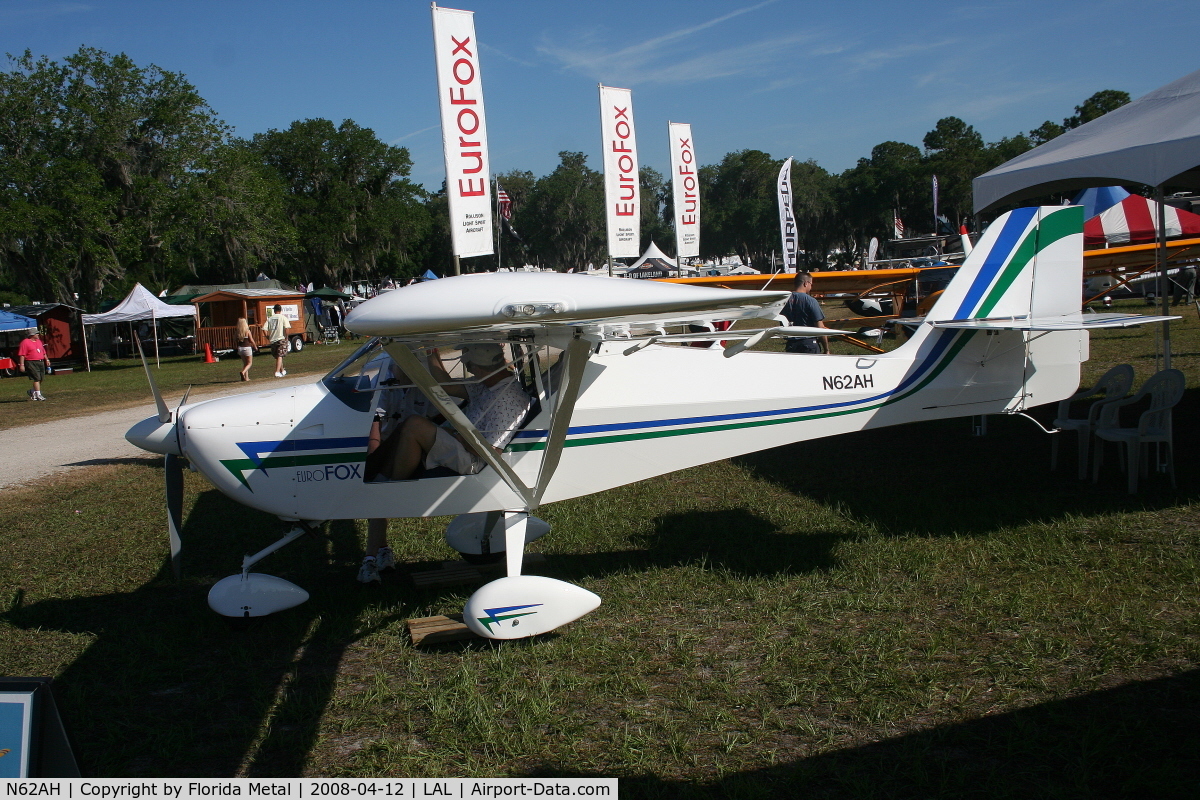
333, 459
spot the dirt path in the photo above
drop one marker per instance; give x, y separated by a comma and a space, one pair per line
33, 451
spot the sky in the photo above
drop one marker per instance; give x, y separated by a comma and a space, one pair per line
825, 81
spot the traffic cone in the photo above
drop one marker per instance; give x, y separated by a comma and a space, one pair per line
208, 356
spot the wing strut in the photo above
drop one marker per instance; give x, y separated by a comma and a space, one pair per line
564, 407
419, 375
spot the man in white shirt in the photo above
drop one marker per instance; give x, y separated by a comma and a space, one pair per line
277, 328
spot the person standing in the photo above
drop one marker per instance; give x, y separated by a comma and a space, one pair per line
32, 360
803, 310
245, 347
277, 328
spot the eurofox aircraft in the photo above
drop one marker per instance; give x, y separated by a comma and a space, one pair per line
614, 400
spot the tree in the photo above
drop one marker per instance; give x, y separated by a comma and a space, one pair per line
869, 195
955, 153
347, 195
514, 248
239, 223
96, 158
656, 220
738, 201
563, 219
1096, 106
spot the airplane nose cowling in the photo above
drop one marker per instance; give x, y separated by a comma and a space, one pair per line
154, 436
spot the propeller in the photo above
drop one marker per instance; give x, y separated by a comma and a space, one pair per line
172, 470
164, 413
173, 480
173, 476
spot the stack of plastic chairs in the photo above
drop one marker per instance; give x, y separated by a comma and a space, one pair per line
1113, 385
1163, 390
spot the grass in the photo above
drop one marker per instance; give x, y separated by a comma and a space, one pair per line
121, 383
859, 616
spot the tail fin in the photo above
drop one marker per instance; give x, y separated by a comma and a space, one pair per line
967, 358
1028, 263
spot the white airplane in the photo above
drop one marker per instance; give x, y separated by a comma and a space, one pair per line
616, 400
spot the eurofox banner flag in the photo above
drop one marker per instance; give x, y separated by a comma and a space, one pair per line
787, 222
685, 189
622, 197
464, 131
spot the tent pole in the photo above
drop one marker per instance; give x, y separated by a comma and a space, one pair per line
87, 357
1160, 235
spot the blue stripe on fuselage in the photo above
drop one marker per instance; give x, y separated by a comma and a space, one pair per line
256, 451
931, 358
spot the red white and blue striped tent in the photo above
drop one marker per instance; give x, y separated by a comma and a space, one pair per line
1133, 220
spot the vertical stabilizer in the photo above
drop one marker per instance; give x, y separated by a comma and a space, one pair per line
1029, 262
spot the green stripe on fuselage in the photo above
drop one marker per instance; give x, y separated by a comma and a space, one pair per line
239, 466
951, 353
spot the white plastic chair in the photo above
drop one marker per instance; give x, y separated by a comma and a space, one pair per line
1164, 389
1113, 385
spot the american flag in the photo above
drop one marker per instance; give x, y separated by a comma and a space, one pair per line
899, 227
503, 202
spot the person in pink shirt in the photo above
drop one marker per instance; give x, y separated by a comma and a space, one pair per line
32, 360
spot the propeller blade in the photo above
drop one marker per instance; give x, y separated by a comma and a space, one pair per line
183, 402
173, 477
164, 413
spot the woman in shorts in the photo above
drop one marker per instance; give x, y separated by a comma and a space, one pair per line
245, 347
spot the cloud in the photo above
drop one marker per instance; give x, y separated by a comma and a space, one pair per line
30, 12
865, 60
400, 139
502, 54
985, 106
672, 57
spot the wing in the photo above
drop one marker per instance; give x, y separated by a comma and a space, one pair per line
497, 304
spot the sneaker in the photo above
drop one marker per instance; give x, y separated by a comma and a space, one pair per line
39, 396
368, 572
281, 374
278, 374
30, 393
385, 558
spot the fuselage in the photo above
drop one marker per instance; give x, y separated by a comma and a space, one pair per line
299, 452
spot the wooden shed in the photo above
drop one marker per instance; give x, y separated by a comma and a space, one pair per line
219, 312
62, 330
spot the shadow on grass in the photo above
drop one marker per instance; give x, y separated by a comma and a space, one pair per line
733, 539
168, 689
936, 478
1134, 741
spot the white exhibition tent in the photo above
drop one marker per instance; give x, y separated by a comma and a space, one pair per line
654, 254
140, 305
1154, 140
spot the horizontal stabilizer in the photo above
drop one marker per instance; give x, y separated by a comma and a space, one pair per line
1069, 322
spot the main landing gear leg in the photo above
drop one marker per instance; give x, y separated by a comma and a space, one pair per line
253, 594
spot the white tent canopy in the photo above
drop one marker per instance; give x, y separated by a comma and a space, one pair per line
653, 253
139, 305
1155, 140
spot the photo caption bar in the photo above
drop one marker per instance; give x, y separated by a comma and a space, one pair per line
409, 788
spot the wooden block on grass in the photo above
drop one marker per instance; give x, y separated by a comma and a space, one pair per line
432, 630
